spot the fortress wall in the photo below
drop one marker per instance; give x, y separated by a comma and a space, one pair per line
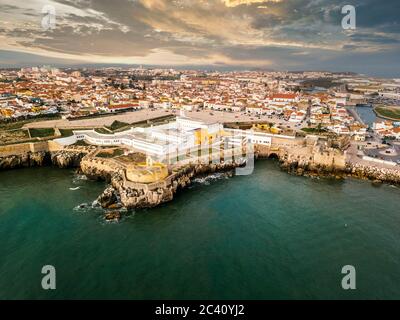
305, 155
15, 149
330, 158
39, 146
24, 148
54, 146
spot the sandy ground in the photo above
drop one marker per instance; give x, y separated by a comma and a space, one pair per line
141, 115
129, 117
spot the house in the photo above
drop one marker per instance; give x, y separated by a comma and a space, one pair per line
284, 98
382, 125
297, 116
143, 104
254, 109
237, 108
123, 107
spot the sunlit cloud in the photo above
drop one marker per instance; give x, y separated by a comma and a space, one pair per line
235, 3
211, 32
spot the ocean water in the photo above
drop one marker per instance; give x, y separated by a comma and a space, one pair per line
367, 114
269, 235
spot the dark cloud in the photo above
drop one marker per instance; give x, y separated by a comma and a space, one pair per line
289, 33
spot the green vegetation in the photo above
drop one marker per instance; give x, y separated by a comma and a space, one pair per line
110, 154
388, 112
12, 125
317, 130
322, 82
66, 132
14, 136
117, 125
41, 132
81, 143
102, 131
18, 124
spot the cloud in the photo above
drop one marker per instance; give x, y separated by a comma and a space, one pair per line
199, 32
235, 3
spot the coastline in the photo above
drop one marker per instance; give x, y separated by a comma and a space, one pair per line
121, 193
384, 117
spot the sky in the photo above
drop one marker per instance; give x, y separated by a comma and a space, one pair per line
232, 34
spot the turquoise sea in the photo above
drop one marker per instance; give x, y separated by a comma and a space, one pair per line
269, 235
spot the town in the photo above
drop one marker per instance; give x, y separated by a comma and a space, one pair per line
40, 103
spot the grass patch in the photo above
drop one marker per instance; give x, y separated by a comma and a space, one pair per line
81, 143
15, 137
41, 132
388, 112
66, 132
110, 154
118, 125
18, 124
102, 131
314, 130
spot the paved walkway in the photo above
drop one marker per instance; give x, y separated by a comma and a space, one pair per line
128, 117
142, 115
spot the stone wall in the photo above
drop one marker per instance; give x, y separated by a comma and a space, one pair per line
38, 154
31, 147
15, 149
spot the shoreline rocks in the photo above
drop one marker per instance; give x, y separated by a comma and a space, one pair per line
30, 159
122, 194
119, 193
61, 159
358, 171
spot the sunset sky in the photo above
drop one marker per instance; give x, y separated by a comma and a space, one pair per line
274, 34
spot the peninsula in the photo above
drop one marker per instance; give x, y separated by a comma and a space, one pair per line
149, 148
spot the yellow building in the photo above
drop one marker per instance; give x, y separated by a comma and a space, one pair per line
202, 136
147, 172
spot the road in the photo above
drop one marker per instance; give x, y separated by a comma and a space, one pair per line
353, 155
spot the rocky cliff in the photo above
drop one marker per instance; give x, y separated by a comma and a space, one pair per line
120, 193
61, 159
355, 170
67, 159
30, 159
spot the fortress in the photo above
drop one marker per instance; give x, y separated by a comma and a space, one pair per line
146, 166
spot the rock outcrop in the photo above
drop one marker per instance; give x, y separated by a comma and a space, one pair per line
355, 170
61, 159
67, 159
108, 198
374, 173
30, 159
141, 196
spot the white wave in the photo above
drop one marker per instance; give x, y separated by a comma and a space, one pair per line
74, 189
78, 178
95, 204
81, 207
207, 180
